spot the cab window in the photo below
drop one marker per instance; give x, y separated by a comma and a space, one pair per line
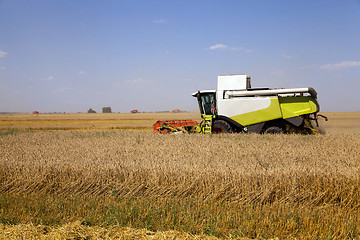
206, 103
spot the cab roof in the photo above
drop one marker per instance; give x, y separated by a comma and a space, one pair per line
203, 91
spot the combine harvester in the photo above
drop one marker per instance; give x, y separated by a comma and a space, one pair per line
236, 107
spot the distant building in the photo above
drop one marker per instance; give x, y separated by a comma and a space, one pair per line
91, 111
35, 112
176, 111
134, 111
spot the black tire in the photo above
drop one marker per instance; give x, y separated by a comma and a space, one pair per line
274, 130
220, 126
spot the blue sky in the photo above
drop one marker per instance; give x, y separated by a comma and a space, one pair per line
69, 56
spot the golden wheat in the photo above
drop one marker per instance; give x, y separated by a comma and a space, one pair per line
138, 121
203, 165
78, 231
236, 185
294, 173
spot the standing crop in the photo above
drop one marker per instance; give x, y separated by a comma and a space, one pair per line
240, 185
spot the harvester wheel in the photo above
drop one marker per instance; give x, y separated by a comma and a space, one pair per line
273, 130
220, 126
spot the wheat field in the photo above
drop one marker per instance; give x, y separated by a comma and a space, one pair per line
90, 121
121, 184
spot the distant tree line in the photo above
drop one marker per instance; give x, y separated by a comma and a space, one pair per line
108, 110
104, 110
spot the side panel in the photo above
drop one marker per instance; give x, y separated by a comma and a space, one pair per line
296, 106
252, 110
236, 106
